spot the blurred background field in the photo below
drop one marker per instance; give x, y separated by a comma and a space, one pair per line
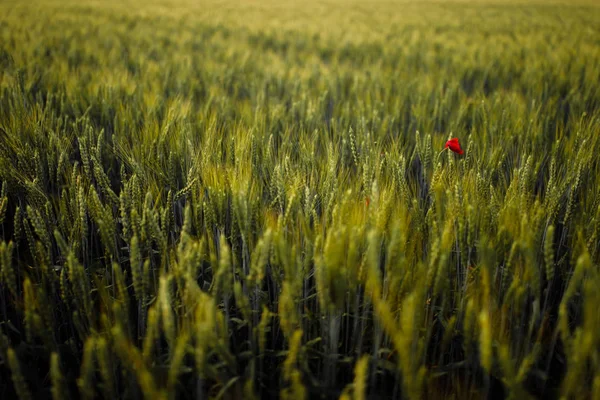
249, 199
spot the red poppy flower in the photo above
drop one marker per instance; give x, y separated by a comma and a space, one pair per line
454, 146
367, 201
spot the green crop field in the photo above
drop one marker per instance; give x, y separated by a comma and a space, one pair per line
228, 199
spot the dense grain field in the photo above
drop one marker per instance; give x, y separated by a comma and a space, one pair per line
251, 199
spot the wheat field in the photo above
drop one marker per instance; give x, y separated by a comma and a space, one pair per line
221, 199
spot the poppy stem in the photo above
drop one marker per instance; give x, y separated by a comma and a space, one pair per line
440, 153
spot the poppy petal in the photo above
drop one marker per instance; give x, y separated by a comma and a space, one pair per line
454, 145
